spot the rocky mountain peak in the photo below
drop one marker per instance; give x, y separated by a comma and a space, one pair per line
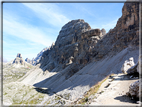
19, 55
70, 30
18, 59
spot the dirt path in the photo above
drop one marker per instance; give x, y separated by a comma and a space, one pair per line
113, 91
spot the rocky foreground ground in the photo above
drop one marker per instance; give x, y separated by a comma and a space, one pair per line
113, 91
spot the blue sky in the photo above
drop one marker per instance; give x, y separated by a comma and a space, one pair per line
30, 27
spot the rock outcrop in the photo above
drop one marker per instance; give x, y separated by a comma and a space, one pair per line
103, 31
130, 17
28, 60
18, 62
130, 68
127, 64
67, 46
134, 91
18, 59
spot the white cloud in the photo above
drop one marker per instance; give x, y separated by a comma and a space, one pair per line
48, 12
110, 25
25, 31
107, 26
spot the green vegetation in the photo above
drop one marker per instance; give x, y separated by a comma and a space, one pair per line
101, 92
66, 96
12, 74
46, 103
57, 98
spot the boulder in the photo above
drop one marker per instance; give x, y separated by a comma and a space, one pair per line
133, 69
136, 68
134, 90
127, 64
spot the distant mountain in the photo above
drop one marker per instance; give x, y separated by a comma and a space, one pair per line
35, 60
15, 69
38, 57
18, 62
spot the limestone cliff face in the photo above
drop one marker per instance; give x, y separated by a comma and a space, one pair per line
127, 27
130, 17
77, 44
126, 32
73, 47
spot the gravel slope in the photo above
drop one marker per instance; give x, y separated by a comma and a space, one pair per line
114, 91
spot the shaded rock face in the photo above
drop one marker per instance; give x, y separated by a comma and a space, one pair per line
18, 59
73, 47
129, 67
128, 25
120, 37
130, 17
65, 50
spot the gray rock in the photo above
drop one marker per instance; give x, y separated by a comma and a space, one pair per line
132, 70
18, 60
134, 90
127, 65
103, 31
28, 60
19, 55
136, 68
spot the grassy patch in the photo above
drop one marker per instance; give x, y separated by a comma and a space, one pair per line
47, 102
66, 96
93, 90
101, 92
57, 98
